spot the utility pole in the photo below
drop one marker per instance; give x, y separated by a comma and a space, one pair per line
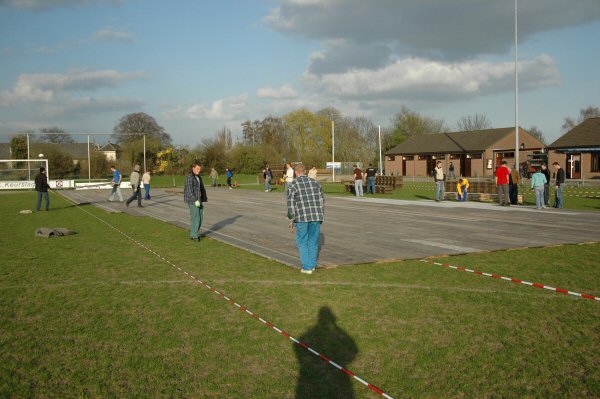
517, 146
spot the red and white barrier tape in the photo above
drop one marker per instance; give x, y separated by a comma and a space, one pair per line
244, 308
514, 280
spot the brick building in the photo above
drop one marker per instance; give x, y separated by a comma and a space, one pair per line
473, 153
578, 150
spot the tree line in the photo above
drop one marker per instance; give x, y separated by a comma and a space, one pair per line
298, 136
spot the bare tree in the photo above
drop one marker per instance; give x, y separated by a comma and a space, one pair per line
584, 113
55, 135
537, 133
133, 127
473, 122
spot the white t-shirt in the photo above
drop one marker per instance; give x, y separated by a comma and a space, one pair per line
289, 175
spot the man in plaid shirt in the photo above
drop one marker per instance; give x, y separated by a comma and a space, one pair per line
306, 208
194, 196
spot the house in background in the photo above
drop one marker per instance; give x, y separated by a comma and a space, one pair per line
474, 153
111, 151
578, 150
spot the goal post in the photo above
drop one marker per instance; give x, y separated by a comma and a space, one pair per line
18, 174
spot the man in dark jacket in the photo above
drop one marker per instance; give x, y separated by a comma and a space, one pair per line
560, 185
41, 186
194, 195
546, 173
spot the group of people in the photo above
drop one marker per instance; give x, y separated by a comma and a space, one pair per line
371, 175
136, 181
508, 181
305, 208
214, 175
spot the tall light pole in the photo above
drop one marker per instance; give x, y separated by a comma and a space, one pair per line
517, 84
333, 151
380, 164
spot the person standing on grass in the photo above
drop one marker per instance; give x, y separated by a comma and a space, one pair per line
42, 186
136, 181
214, 176
513, 189
194, 195
502, 183
268, 175
439, 177
560, 185
462, 187
358, 182
371, 179
538, 180
229, 177
306, 210
546, 173
146, 181
116, 183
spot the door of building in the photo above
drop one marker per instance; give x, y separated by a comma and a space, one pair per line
465, 166
573, 166
403, 166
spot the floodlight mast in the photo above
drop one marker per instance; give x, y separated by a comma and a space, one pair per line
517, 84
333, 151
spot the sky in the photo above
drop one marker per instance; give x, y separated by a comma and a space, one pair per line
198, 66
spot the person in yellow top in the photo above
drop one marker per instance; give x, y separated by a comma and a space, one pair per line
462, 188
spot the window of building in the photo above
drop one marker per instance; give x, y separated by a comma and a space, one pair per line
475, 156
391, 157
595, 161
409, 158
455, 156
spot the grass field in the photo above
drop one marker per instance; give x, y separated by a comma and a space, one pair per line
95, 315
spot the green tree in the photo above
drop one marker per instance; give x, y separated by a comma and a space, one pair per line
100, 167
407, 123
309, 136
18, 146
246, 159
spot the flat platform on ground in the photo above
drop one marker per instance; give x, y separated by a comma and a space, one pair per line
363, 230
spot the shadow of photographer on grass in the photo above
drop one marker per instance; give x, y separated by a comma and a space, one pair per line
319, 379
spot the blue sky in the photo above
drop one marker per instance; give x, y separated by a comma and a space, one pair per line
197, 66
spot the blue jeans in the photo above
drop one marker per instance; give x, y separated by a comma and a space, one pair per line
358, 189
371, 182
39, 201
439, 190
268, 184
539, 197
197, 214
559, 196
464, 196
307, 239
116, 190
147, 190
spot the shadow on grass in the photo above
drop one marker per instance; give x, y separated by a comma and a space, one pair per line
423, 197
318, 378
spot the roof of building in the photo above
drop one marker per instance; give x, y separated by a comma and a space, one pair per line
586, 134
110, 147
453, 142
76, 150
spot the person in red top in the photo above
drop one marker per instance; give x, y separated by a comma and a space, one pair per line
502, 183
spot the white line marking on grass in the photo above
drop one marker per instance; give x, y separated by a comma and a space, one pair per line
442, 245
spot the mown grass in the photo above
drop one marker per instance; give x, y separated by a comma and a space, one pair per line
94, 315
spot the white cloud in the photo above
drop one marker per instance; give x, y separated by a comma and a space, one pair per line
224, 109
109, 34
460, 29
418, 78
285, 91
52, 94
46, 87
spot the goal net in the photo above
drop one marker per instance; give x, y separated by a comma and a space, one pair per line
20, 173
